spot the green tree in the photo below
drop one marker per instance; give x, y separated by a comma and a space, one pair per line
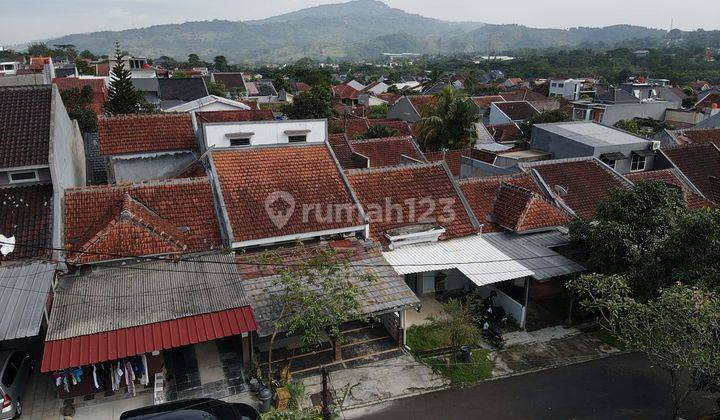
217, 89
451, 123
630, 126
38, 49
678, 331
122, 96
194, 61
377, 131
378, 111
459, 323
83, 68
87, 55
629, 227
220, 63
77, 103
314, 103
315, 296
689, 102
551, 116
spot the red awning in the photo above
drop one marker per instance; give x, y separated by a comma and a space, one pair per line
126, 342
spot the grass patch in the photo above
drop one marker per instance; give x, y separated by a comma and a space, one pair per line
463, 373
608, 338
426, 337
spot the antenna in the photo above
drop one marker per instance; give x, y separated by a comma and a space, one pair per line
672, 21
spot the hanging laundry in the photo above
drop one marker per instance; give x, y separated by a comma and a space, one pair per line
66, 384
95, 378
145, 379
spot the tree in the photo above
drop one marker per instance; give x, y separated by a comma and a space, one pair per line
220, 63
550, 116
629, 228
38, 49
378, 111
87, 55
689, 102
122, 97
630, 126
314, 103
217, 89
315, 295
460, 324
194, 61
77, 103
679, 331
393, 89
83, 68
451, 123
377, 131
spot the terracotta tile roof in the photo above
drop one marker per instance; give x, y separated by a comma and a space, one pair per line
485, 101
343, 151
670, 177
580, 183
26, 213
389, 97
355, 127
700, 163
238, 115
344, 91
422, 102
387, 151
401, 126
708, 101
97, 85
517, 111
229, 80
302, 86
521, 210
24, 125
148, 218
251, 176
411, 188
102, 69
481, 194
708, 135
453, 158
524, 94
38, 63
145, 133
503, 133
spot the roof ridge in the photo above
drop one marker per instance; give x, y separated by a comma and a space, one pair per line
473, 180
379, 139
137, 184
179, 115
401, 167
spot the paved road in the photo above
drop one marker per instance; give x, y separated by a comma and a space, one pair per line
619, 387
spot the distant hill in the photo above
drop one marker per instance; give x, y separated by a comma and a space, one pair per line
356, 29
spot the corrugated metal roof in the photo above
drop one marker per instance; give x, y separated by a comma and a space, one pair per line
23, 293
111, 298
387, 293
485, 259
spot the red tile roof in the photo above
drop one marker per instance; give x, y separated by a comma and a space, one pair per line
97, 85
708, 101
388, 151
26, 213
503, 133
345, 91
581, 184
149, 218
425, 193
482, 192
485, 101
389, 97
302, 86
522, 210
252, 176
670, 177
24, 125
343, 151
133, 341
422, 102
238, 115
355, 127
700, 163
102, 69
708, 135
517, 111
524, 94
229, 80
145, 133
453, 158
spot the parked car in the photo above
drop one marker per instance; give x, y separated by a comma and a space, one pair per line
15, 369
194, 409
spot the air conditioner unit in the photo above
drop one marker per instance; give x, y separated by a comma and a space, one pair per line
655, 145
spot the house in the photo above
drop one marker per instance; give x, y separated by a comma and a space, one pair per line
617, 104
234, 115
374, 153
41, 156
483, 103
540, 102
356, 127
710, 122
700, 164
146, 146
346, 94
513, 82
571, 89
42, 65
375, 88
505, 133
674, 178
355, 85
66, 71
176, 91
700, 86
232, 81
411, 108
671, 138
96, 84
260, 90
511, 112
233, 133
139, 67
209, 103
622, 151
454, 158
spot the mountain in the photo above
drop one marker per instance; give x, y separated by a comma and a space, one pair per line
356, 29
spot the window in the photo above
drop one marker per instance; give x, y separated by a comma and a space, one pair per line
637, 163
24, 176
609, 162
297, 139
240, 141
553, 84
561, 85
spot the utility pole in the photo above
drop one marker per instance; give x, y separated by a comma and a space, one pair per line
325, 394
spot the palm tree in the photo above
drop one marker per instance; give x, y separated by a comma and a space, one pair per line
450, 124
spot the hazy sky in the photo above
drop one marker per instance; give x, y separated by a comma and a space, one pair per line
23, 20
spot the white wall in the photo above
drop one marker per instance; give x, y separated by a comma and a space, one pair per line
265, 132
497, 116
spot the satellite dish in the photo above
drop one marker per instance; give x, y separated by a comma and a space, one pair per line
7, 245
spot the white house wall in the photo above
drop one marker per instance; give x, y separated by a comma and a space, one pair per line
265, 132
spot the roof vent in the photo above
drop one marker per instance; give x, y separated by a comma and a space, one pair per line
415, 234
561, 191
